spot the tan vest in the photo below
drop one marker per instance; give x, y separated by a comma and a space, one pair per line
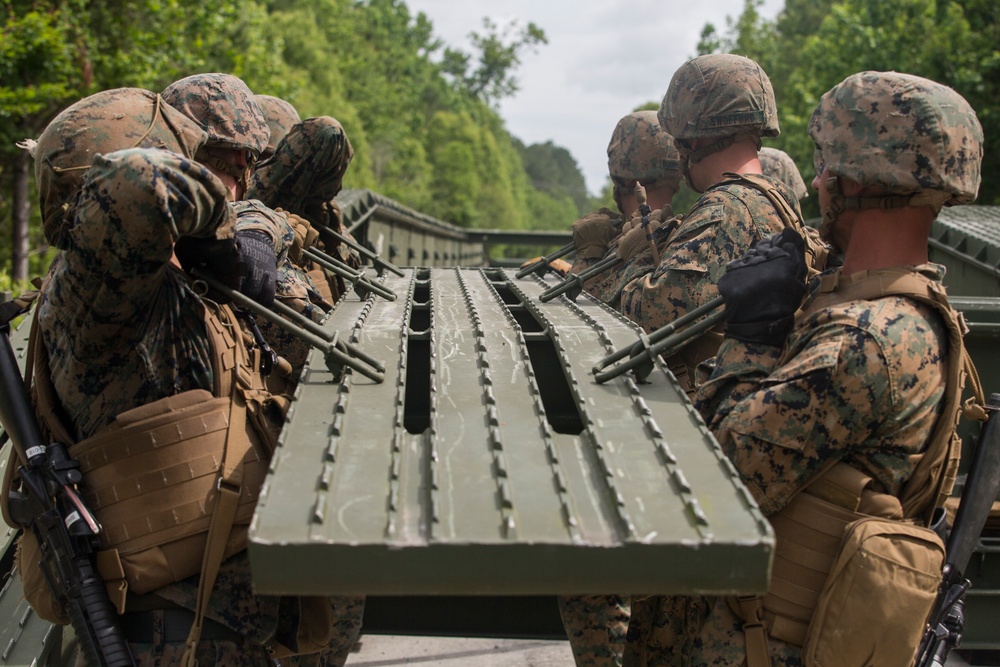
810, 529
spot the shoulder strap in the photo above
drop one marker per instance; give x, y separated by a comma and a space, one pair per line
817, 252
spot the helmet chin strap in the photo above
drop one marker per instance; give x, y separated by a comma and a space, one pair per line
694, 156
839, 202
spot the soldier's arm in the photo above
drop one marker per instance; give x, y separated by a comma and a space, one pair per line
133, 207
780, 420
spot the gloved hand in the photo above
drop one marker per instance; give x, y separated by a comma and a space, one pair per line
634, 241
259, 264
593, 233
219, 257
764, 288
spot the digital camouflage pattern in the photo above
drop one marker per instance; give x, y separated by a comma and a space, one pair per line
307, 168
280, 116
607, 287
224, 108
934, 142
780, 165
302, 177
676, 631
721, 227
123, 327
718, 95
640, 150
595, 626
293, 286
99, 124
859, 382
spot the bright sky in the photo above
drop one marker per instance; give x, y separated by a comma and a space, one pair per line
603, 59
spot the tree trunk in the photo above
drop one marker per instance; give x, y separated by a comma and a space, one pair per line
21, 213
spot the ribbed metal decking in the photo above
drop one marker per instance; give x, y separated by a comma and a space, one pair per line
489, 461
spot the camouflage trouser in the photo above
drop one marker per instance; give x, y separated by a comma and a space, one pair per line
680, 631
347, 613
595, 626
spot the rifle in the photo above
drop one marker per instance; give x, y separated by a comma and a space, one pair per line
50, 506
947, 620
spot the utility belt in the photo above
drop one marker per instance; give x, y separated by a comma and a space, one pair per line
852, 582
170, 626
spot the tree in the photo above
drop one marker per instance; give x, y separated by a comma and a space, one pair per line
498, 55
814, 44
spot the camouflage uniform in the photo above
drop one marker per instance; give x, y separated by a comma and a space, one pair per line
639, 151
716, 99
719, 228
122, 328
302, 178
859, 382
228, 112
780, 165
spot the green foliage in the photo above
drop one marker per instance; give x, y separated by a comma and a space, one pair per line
421, 117
815, 44
553, 170
499, 53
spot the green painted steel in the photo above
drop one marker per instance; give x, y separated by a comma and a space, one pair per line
490, 462
966, 240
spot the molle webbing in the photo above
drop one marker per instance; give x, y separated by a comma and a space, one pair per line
808, 533
149, 475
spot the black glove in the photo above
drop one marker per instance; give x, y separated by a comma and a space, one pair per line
764, 288
219, 257
260, 266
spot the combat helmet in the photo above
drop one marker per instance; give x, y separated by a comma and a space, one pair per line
910, 140
102, 123
225, 108
307, 167
640, 150
780, 165
720, 97
280, 117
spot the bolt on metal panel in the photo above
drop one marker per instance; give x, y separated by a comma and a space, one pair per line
488, 461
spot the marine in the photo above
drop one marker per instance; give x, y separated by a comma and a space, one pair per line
840, 399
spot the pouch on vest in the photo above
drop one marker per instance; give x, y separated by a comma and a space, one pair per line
876, 600
151, 477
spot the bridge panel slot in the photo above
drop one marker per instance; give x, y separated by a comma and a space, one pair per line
417, 395
561, 409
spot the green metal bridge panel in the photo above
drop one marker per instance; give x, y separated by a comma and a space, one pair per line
489, 462
966, 240
25, 639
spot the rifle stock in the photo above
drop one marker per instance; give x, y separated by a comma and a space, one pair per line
946, 621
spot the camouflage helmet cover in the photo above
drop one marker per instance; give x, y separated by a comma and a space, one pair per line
901, 134
719, 95
102, 123
780, 165
640, 150
224, 107
308, 164
280, 117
